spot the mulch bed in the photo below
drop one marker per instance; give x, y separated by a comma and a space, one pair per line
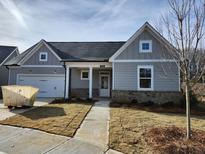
169, 140
159, 109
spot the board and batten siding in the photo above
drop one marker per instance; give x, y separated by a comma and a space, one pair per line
159, 50
166, 77
34, 59
32, 70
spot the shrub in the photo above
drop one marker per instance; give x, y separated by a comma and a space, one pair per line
134, 101
167, 104
193, 101
147, 103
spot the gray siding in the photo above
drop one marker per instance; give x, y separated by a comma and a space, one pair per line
4, 72
34, 59
77, 83
166, 77
42, 70
158, 49
3, 75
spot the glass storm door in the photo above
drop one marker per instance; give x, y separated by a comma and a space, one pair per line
104, 86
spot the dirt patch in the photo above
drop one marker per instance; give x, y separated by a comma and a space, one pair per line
61, 118
168, 140
128, 124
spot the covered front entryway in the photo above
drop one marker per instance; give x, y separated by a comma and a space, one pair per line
90, 78
50, 85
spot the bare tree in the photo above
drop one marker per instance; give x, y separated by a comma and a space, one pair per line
184, 26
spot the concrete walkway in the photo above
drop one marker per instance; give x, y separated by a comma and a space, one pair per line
91, 137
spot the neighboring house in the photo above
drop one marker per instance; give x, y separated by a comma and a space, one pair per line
6, 54
141, 68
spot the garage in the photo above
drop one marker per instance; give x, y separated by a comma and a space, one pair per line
49, 85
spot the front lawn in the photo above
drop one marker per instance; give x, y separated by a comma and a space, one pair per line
130, 127
61, 118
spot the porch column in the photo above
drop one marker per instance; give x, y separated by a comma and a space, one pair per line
67, 81
90, 82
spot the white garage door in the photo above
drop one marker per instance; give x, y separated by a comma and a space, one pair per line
49, 85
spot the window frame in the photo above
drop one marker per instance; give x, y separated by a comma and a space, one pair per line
81, 75
152, 77
141, 50
43, 53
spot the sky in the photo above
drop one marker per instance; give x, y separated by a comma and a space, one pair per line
25, 22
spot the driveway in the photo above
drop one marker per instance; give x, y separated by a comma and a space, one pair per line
6, 113
91, 137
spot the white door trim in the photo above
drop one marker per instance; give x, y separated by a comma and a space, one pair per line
107, 75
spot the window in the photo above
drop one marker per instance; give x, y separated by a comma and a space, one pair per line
84, 75
145, 77
145, 46
43, 56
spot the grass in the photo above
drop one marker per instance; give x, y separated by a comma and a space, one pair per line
59, 118
129, 126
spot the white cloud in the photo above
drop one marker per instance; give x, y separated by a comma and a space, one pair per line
73, 20
12, 8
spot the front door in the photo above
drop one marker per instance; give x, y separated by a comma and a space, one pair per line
104, 85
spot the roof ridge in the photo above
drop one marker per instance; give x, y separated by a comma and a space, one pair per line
87, 42
8, 46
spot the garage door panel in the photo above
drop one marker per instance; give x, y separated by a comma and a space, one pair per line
49, 86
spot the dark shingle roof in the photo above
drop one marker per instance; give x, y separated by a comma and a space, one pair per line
77, 51
5, 51
85, 51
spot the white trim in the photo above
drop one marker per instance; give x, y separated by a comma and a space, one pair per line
143, 50
90, 82
43, 53
88, 64
16, 49
67, 82
81, 74
145, 60
136, 34
138, 78
41, 66
49, 75
28, 56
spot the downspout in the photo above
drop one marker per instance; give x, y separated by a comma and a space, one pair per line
8, 81
65, 80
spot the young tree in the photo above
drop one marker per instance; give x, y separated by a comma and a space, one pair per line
184, 27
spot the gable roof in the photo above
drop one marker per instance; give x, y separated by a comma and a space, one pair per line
146, 25
5, 52
74, 51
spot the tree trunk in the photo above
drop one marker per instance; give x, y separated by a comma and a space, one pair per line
187, 90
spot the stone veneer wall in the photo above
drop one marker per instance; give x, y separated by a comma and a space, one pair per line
158, 97
83, 93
